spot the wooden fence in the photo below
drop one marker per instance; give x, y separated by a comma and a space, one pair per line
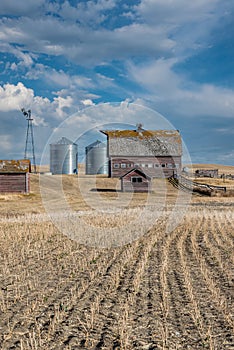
188, 185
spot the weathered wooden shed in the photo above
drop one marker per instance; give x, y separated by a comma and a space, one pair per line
135, 180
206, 173
156, 152
14, 176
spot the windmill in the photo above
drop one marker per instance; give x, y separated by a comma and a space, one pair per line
29, 143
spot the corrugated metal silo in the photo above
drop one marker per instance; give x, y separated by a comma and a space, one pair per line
63, 157
96, 158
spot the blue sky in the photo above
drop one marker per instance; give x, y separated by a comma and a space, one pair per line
176, 57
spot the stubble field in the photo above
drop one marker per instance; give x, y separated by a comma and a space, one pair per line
164, 290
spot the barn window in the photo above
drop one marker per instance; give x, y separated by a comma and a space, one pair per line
169, 165
143, 165
163, 165
156, 165
136, 179
116, 165
123, 165
150, 165
129, 165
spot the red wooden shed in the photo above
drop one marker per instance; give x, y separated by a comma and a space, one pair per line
14, 175
135, 181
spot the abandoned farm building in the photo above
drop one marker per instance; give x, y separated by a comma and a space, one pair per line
14, 175
135, 181
207, 173
156, 153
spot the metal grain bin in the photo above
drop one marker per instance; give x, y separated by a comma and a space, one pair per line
63, 157
96, 158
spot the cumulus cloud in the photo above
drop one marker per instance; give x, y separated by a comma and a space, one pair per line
62, 105
14, 97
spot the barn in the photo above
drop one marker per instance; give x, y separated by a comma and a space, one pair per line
135, 181
14, 176
157, 153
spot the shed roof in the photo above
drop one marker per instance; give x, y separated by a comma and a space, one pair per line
138, 171
15, 166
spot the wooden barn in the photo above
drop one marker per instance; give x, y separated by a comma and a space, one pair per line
156, 152
14, 176
135, 181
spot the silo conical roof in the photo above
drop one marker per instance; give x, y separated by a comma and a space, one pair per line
96, 144
65, 141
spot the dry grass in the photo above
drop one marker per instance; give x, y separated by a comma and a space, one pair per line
164, 290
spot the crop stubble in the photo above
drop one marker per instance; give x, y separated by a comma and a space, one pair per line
163, 291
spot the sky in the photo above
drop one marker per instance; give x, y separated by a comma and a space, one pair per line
88, 63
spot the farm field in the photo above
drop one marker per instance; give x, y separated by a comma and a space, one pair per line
165, 289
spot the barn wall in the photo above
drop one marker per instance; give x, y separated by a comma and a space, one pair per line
128, 186
172, 164
14, 182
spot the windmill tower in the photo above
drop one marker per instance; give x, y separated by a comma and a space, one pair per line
29, 143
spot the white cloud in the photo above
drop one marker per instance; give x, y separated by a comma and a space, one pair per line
5, 142
154, 36
21, 8
88, 12
14, 97
58, 78
87, 102
179, 95
159, 28
84, 45
25, 60
176, 12
225, 131
62, 105
38, 121
156, 76
207, 100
